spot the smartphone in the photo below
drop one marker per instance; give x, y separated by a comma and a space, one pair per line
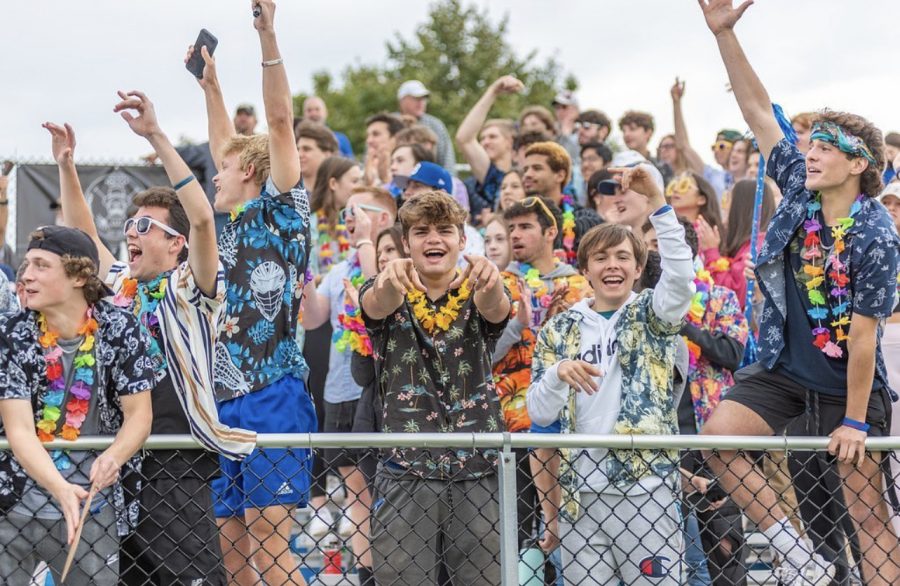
703, 502
195, 64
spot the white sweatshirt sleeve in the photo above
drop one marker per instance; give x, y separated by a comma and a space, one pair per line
547, 394
673, 293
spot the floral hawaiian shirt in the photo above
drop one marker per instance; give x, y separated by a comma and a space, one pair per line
437, 383
872, 243
265, 251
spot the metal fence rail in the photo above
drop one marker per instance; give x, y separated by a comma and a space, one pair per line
503, 516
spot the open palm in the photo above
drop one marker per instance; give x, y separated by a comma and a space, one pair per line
722, 15
62, 141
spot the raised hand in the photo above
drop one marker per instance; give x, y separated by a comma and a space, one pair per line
639, 180
351, 292
210, 77
524, 311
677, 90
708, 236
507, 85
145, 123
265, 21
721, 15
482, 273
558, 303
402, 276
62, 142
362, 226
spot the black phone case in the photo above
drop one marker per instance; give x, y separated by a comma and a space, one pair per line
195, 64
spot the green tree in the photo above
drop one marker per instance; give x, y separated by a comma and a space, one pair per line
457, 53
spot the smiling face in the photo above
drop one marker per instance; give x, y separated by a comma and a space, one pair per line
387, 251
496, 244
737, 160
495, 143
380, 220
527, 241
612, 272
684, 195
229, 182
45, 283
434, 248
155, 252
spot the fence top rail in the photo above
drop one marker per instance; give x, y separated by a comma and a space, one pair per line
490, 440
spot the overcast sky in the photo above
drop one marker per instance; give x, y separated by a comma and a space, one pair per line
63, 60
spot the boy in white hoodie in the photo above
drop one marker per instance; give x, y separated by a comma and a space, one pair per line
605, 366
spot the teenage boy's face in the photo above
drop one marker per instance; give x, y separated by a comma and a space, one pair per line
828, 167
229, 182
636, 137
539, 178
527, 240
154, 252
495, 143
378, 137
631, 208
45, 282
435, 248
613, 272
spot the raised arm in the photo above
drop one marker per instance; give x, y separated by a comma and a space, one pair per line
220, 128
467, 135
393, 283
4, 207
283, 156
681, 136
75, 210
751, 95
203, 253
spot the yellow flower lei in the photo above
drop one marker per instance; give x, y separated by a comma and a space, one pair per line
444, 316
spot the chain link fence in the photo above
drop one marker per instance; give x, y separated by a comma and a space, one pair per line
555, 509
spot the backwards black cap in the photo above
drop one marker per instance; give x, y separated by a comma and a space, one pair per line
62, 241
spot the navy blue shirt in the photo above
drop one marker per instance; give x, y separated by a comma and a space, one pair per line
872, 254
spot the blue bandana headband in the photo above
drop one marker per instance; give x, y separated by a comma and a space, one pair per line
847, 143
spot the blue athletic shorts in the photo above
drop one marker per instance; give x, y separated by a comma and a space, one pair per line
270, 476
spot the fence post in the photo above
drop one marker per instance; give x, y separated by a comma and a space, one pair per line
509, 521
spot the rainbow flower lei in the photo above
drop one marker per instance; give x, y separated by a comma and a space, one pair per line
143, 299
815, 277
703, 283
328, 235
568, 229
237, 211
79, 392
444, 316
351, 331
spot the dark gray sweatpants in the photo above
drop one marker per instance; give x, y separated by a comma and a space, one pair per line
417, 523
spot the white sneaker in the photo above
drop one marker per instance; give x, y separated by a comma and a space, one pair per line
347, 527
815, 572
320, 523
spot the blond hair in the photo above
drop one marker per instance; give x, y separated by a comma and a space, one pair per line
253, 150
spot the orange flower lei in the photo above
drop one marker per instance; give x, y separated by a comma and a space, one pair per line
444, 316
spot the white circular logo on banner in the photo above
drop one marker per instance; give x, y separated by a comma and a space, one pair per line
108, 197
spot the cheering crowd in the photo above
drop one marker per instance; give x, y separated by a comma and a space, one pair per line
569, 284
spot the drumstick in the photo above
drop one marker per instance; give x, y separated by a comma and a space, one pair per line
74, 546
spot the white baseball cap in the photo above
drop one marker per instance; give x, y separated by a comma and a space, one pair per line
414, 88
634, 159
893, 188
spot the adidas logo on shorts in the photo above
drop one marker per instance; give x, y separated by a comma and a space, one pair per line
285, 489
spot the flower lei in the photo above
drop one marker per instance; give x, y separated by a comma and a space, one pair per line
237, 211
79, 393
720, 265
143, 299
541, 294
703, 283
568, 229
328, 234
351, 331
444, 316
814, 277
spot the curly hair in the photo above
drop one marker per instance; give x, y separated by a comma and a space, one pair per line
432, 208
642, 119
80, 267
870, 180
558, 158
542, 114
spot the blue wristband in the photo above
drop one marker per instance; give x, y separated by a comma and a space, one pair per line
859, 425
183, 182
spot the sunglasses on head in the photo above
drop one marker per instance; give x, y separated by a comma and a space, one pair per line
143, 224
531, 201
342, 215
721, 145
681, 184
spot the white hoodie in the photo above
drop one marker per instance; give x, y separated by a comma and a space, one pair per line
597, 413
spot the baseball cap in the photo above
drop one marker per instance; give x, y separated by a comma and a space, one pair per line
631, 158
414, 88
565, 98
72, 241
247, 109
603, 183
730, 135
893, 188
429, 174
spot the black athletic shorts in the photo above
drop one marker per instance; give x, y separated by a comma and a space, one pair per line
779, 400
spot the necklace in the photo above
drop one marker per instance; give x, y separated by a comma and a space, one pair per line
79, 399
568, 229
237, 211
328, 236
542, 295
143, 299
704, 283
441, 317
815, 277
351, 331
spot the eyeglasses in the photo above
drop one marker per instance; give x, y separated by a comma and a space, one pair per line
143, 224
587, 125
529, 202
722, 145
681, 184
342, 215
666, 146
